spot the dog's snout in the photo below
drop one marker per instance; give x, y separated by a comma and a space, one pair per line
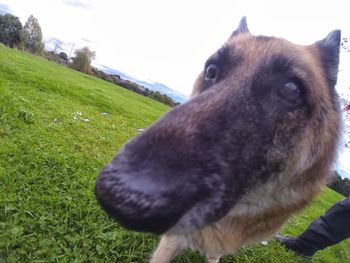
138, 199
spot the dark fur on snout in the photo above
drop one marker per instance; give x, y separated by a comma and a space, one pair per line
253, 145
203, 167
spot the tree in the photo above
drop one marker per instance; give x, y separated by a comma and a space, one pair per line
63, 56
10, 26
346, 187
82, 60
32, 37
340, 185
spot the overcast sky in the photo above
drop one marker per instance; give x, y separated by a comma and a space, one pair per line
169, 41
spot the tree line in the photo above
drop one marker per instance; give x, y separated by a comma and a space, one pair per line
116, 79
340, 185
29, 38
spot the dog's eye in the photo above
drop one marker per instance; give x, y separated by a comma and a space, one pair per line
211, 72
291, 92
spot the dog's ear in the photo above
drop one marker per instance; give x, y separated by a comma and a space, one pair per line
329, 50
242, 27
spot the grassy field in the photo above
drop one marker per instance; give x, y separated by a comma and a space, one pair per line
58, 128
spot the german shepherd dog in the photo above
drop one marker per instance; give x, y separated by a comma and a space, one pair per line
252, 146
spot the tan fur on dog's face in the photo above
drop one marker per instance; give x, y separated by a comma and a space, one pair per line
253, 145
321, 120
304, 142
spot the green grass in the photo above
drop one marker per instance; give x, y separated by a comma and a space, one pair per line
50, 156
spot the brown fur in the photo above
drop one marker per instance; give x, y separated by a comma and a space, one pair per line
231, 165
263, 211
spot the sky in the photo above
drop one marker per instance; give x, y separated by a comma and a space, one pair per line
169, 41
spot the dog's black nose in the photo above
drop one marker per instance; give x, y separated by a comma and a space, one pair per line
141, 196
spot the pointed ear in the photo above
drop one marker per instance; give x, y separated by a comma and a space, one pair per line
242, 28
329, 49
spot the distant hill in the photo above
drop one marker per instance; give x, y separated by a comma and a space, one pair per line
155, 86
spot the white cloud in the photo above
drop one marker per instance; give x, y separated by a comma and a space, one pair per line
4, 9
77, 4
